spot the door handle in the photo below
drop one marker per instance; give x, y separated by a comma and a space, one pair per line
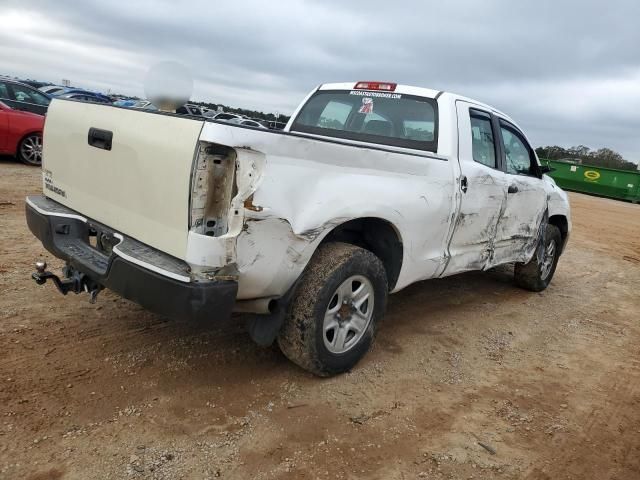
464, 184
100, 138
512, 189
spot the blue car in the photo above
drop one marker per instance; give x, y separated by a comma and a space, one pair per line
125, 102
81, 94
85, 96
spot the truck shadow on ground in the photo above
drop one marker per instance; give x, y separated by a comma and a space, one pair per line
224, 351
115, 353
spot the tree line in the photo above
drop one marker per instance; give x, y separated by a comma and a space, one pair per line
603, 157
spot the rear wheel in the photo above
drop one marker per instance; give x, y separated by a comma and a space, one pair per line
537, 274
333, 316
30, 150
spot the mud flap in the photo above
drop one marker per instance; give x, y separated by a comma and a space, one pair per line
264, 329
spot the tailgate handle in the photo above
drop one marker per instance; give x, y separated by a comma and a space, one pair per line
100, 138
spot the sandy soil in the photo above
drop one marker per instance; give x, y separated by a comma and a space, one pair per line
549, 383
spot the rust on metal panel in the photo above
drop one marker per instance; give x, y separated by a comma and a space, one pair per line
248, 204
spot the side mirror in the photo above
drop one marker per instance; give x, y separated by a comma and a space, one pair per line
546, 169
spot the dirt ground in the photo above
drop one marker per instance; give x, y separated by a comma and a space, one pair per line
549, 383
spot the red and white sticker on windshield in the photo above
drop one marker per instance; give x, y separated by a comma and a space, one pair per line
367, 105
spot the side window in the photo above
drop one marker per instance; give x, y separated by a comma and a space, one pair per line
334, 115
517, 153
40, 99
23, 94
483, 146
4, 91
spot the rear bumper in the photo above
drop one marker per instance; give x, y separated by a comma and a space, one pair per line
146, 276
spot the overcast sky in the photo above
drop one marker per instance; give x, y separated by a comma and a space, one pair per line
567, 71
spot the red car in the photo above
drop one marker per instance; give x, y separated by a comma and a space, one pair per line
21, 135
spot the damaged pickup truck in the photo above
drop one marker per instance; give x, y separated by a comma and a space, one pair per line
371, 187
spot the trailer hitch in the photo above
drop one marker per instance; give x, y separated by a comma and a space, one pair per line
73, 281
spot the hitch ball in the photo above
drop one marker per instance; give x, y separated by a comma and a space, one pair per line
41, 267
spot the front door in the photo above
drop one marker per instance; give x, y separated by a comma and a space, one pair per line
519, 226
483, 191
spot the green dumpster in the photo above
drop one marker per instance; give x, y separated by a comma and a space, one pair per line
605, 182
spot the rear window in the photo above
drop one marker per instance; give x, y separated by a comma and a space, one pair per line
375, 117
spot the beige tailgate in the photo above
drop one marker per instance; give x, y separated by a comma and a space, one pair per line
140, 186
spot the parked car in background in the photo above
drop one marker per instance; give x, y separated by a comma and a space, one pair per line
125, 102
86, 97
273, 125
247, 122
225, 117
208, 112
68, 90
144, 105
52, 89
188, 109
19, 96
21, 134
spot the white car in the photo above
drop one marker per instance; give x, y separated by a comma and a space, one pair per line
227, 117
247, 122
370, 187
207, 112
52, 89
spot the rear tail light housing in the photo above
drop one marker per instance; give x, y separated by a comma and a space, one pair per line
212, 188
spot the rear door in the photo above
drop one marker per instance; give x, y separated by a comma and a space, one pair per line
128, 169
484, 189
526, 204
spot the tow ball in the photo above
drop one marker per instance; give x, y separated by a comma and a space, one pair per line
72, 281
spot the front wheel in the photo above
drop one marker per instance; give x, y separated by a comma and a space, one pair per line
333, 316
30, 150
537, 274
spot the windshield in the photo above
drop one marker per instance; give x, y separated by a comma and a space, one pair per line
375, 117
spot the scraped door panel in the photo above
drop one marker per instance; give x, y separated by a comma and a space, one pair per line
481, 205
518, 228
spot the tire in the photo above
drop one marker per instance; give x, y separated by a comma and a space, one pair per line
537, 274
30, 150
320, 333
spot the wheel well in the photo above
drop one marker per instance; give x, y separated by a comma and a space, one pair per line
376, 235
561, 222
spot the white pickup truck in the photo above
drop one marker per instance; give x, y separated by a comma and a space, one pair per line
371, 187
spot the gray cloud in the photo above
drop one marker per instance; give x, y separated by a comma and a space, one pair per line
568, 72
